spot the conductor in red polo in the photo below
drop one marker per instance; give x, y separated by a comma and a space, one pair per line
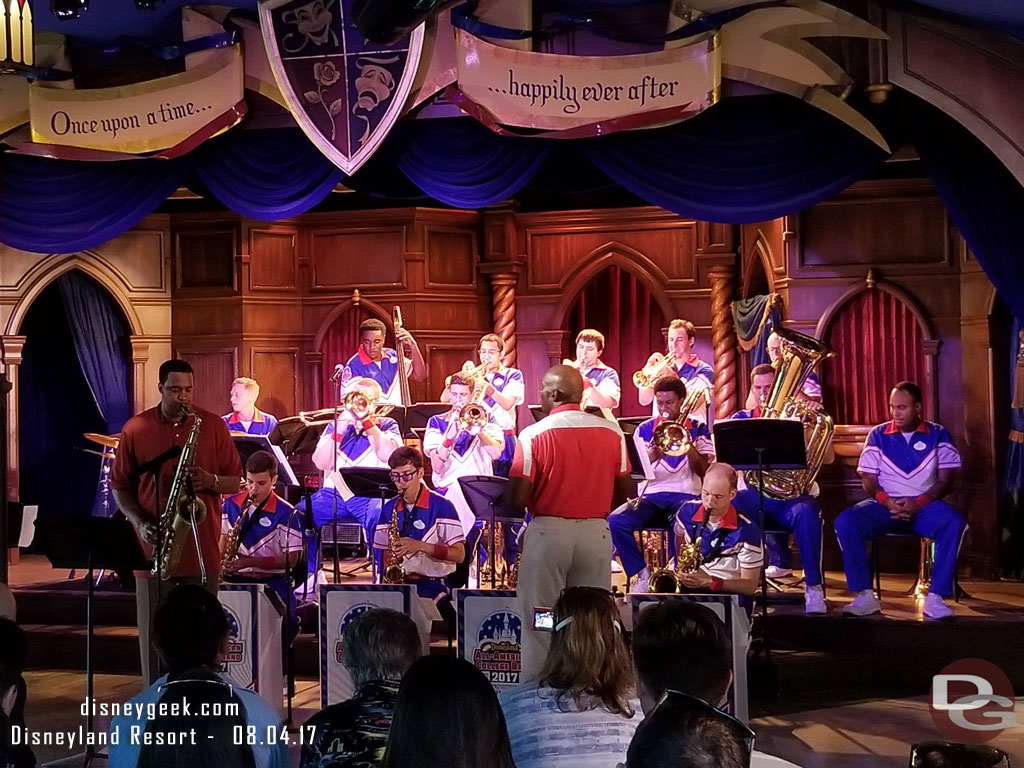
565, 472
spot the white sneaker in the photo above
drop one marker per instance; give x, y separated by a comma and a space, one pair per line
935, 607
641, 582
775, 572
616, 566
864, 604
814, 601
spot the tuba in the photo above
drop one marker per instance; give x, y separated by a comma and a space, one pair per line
393, 573
183, 510
800, 353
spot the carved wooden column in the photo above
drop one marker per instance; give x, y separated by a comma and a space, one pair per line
10, 349
504, 277
723, 341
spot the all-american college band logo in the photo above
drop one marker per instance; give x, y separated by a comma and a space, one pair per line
236, 646
352, 613
498, 646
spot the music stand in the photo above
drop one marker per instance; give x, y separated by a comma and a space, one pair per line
483, 494
91, 542
295, 436
418, 414
247, 445
761, 444
638, 465
366, 483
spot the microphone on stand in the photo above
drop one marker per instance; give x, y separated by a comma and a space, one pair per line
337, 372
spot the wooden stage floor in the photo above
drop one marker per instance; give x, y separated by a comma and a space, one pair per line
851, 693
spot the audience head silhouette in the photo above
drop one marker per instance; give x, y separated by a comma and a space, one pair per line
380, 644
588, 660
683, 732
447, 716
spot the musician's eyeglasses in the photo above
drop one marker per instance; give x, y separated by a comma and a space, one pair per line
698, 703
401, 477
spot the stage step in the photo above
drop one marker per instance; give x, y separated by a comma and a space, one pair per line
43, 606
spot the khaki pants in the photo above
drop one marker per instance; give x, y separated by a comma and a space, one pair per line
557, 553
146, 599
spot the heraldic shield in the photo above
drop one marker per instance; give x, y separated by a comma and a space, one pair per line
343, 90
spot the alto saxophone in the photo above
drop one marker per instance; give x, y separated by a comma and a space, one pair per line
393, 573
183, 510
231, 540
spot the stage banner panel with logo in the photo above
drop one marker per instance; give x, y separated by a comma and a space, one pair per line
253, 657
490, 633
340, 604
728, 609
557, 92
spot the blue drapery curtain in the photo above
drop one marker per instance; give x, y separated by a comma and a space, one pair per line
465, 165
100, 340
58, 206
55, 407
755, 318
744, 160
265, 174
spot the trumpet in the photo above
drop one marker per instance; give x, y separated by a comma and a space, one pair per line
475, 372
645, 378
577, 364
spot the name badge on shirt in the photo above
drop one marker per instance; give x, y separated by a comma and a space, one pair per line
919, 446
266, 522
419, 525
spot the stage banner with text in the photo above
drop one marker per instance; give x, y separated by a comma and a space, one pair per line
491, 633
142, 117
339, 605
548, 91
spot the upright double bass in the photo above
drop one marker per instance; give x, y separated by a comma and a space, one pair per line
403, 371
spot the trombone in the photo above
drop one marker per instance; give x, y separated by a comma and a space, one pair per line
355, 405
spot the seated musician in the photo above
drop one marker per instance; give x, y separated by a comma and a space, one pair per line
681, 361
800, 514
811, 390
601, 386
245, 416
353, 443
429, 541
671, 479
455, 451
504, 391
906, 468
375, 361
730, 543
267, 529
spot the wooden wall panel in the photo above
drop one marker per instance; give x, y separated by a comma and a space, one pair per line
358, 258
215, 369
451, 258
277, 371
553, 255
445, 359
205, 259
273, 260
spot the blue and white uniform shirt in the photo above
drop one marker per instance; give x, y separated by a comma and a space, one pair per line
812, 387
467, 457
274, 531
729, 548
672, 474
432, 520
384, 372
696, 375
353, 447
508, 381
605, 381
908, 463
261, 424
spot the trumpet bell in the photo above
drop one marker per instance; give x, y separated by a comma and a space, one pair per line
472, 418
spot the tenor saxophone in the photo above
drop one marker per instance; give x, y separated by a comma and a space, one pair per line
393, 573
231, 541
183, 509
